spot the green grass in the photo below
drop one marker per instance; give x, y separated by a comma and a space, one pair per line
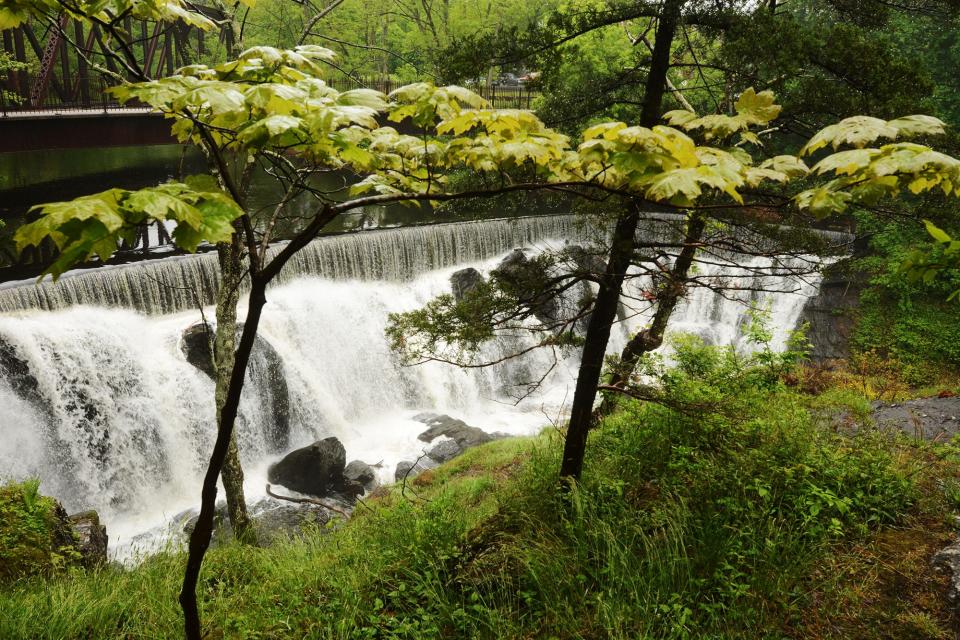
749, 517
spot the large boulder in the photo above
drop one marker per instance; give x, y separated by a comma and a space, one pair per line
91, 538
361, 474
464, 281
264, 374
525, 277
445, 450
459, 431
272, 519
316, 469
407, 469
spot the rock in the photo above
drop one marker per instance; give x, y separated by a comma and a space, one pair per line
444, 451
195, 344
927, 418
463, 434
91, 537
360, 473
16, 371
584, 262
408, 469
526, 279
264, 374
284, 520
272, 519
464, 281
831, 313
316, 469
947, 561
221, 519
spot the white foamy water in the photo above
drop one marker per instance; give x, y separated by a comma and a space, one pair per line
114, 418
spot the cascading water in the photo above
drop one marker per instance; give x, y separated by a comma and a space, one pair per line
101, 403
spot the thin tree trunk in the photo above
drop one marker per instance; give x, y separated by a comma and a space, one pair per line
621, 253
200, 537
224, 354
672, 292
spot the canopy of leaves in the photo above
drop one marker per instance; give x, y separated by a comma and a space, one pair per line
95, 225
15, 12
867, 174
274, 102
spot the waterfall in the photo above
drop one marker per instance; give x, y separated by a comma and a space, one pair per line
185, 282
99, 400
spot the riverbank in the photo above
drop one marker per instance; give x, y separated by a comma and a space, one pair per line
754, 516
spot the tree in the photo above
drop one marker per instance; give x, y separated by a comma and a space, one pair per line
270, 108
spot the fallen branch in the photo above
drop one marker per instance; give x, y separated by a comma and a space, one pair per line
321, 503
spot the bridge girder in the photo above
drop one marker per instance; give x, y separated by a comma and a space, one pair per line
63, 56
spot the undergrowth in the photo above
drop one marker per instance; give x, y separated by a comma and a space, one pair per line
731, 508
34, 539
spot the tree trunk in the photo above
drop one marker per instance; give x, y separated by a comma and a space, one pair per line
667, 298
200, 537
621, 253
224, 354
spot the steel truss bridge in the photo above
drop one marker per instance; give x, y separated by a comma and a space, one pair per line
59, 99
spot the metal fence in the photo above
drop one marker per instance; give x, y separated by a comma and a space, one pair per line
501, 97
75, 94
89, 93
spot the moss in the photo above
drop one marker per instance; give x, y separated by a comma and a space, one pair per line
35, 537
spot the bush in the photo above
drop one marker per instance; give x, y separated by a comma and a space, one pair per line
911, 323
34, 536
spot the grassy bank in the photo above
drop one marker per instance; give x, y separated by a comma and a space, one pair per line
739, 512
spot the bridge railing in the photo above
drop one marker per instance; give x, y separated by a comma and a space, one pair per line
501, 97
90, 93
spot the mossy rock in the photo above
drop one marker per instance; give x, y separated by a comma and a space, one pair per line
36, 537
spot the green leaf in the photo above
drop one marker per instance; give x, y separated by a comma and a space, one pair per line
937, 233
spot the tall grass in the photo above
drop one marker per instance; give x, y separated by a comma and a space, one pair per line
688, 523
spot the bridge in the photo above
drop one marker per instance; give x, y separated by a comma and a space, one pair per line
61, 102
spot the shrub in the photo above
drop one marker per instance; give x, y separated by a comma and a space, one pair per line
34, 535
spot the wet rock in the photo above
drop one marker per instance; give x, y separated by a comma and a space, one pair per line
584, 261
91, 538
407, 469
272, 519
316, 469
526, 279
195, 344
464, 281
187, 520
444, 451
831, 313
16, 371
459, 431
264, 374
360, 473
280, 520
927, 418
